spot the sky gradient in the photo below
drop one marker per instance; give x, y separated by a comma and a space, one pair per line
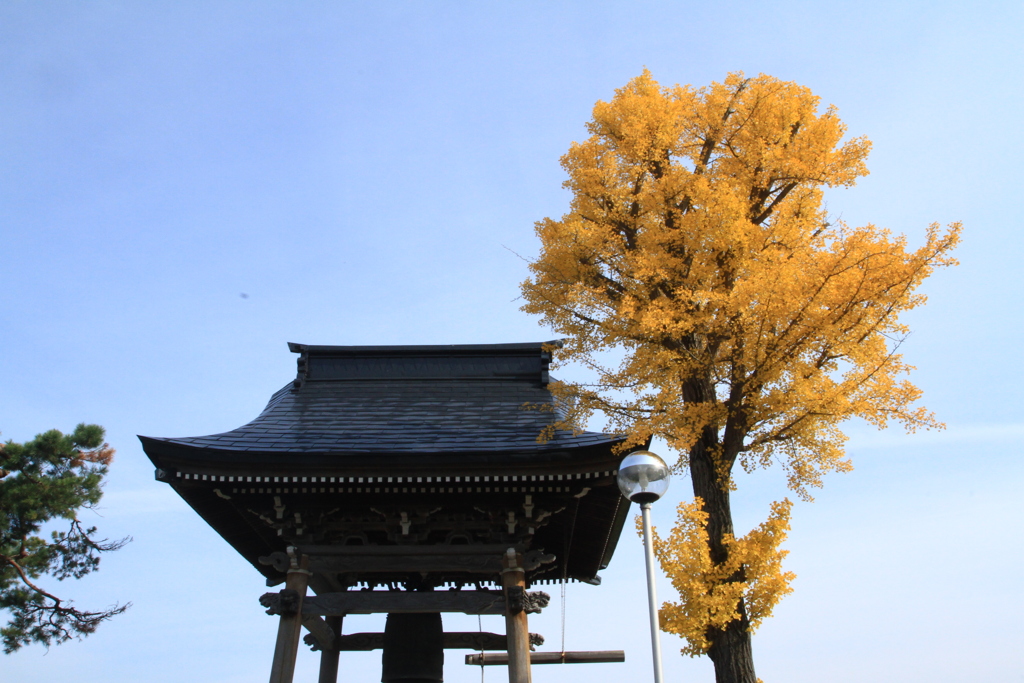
185, 187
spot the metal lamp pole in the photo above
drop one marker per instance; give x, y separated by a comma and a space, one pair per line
643, 478
652, 592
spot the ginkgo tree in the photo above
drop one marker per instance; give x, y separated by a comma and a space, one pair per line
748, 324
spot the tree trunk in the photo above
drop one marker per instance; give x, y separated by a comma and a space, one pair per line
731, 654
730, 649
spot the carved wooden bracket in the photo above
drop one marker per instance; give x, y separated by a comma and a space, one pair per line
519, 600
284, 602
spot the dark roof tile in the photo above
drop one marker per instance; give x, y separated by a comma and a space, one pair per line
407, 399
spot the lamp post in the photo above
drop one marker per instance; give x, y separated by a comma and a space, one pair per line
643, 478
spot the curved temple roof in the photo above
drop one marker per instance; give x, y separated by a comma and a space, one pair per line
351, 400
399, 445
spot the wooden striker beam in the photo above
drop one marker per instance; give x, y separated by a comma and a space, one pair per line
500, 658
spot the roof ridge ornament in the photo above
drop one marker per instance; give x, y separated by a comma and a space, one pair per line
495, 362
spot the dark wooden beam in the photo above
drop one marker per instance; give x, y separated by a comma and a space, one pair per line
355, 550
472, 559
320, 630
355, 564
403, 602
501, 658
468, 640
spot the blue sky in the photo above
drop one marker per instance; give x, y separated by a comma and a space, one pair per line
368, 175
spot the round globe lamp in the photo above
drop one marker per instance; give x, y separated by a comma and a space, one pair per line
643, 477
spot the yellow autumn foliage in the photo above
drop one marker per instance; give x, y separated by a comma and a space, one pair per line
743, 323
698, 242
710, 593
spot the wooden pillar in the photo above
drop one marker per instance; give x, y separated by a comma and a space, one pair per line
329, 656
290, 628
513, 581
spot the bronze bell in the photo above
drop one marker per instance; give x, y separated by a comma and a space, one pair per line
413, 649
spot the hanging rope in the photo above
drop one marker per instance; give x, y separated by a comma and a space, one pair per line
565, 568
480, 629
